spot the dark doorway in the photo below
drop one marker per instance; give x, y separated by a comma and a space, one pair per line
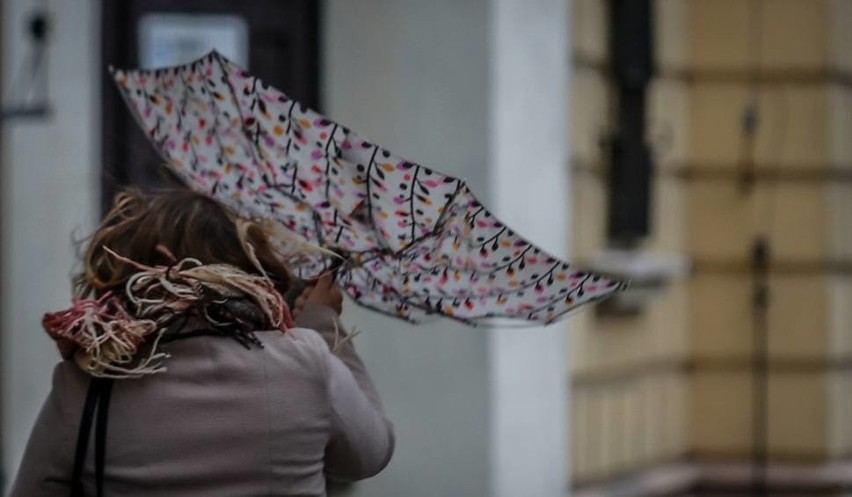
280, 40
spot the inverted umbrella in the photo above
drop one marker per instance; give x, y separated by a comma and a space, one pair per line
415, 241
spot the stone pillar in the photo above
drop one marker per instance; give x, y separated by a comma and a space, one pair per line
530, 190
476, 89
49, 196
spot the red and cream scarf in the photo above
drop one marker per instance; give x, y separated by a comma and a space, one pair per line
106, 336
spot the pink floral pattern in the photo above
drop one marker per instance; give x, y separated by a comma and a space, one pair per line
418, 242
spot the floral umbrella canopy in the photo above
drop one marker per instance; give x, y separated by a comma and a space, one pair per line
414, 241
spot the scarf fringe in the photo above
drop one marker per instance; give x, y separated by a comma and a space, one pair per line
104, 335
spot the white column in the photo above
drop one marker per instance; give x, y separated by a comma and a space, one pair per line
49, 196
475, 88
413, 75
528, 149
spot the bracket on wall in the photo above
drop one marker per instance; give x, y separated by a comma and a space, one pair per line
649, 275
35, 69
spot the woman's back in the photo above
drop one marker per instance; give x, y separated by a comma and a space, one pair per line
224, 420
163, 355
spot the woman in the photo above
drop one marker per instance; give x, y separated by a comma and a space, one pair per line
211, 387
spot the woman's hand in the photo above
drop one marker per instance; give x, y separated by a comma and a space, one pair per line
322, 292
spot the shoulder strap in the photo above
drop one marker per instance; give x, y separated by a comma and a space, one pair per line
100, 435
97, 397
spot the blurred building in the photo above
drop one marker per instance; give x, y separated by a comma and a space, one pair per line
750, 123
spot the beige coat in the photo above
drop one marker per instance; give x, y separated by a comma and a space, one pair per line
223, 421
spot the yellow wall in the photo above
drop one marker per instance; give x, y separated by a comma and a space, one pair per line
630, 401
801, 200
677, 380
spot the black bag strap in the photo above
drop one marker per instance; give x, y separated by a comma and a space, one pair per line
83, 439
100, 435
97, 399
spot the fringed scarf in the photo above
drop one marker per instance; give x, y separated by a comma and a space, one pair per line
104, 335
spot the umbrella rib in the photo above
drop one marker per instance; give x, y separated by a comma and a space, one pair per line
328, 163
435, 229
473, 320
618, 287
195, 163
513, 261
125, 96
497, 292
471, 219
214, 127
533, 311
460, 185
411, 204
289, 129
236, 102
571, 294
493, 238
369, 179
188, 135
486, 274
183, 101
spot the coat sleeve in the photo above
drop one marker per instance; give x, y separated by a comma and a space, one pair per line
362, 439
45, 469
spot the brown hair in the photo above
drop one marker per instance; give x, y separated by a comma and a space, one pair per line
188, 225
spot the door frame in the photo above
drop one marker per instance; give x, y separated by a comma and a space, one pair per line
119, 47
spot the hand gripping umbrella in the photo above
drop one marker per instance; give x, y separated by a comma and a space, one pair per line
415, 241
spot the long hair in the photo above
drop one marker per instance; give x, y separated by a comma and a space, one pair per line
184, 223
